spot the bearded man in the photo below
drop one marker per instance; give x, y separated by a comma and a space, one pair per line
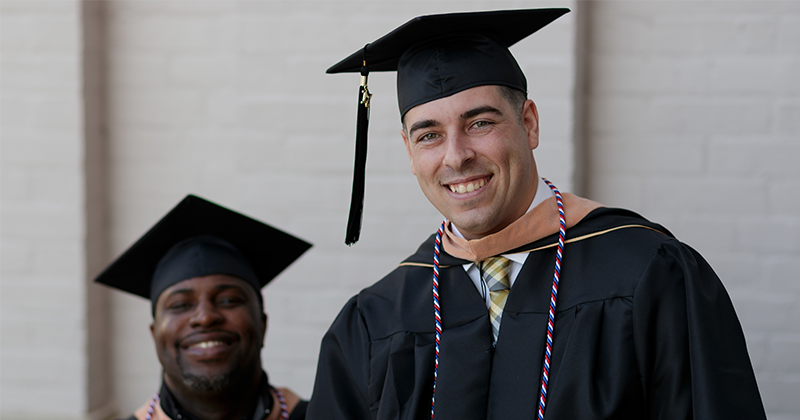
202, 267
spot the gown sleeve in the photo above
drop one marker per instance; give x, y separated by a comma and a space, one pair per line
340, 388
689, 345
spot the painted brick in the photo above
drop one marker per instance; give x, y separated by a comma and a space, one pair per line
783, 197
754, 307
760, 233
783, 353
748, 74
619, 113
159, 32
206, 69
789, 33
16, 259
646, 74
41, 148
780, 396
40, 222
746, 33
143, 69
788, 68
755, 155
40, 71
40, 32
781, 272
710, 116
661, 155
691, 195
788, 119
709, 233
158, 107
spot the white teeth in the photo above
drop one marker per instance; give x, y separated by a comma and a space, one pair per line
469, 187
206, 344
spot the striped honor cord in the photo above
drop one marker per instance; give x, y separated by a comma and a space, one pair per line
282, 401
553, 295
436, 310
551, 316
152, 407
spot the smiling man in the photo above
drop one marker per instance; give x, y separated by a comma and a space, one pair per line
528, 302
202, 267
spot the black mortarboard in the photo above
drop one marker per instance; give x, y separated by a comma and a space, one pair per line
198, 238
436, 56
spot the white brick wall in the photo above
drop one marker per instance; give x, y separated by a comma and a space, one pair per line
694, 123
43, 273
692, 119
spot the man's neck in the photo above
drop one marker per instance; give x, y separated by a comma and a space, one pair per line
232, 403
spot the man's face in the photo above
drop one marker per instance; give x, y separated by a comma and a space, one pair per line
472, 155
209, 332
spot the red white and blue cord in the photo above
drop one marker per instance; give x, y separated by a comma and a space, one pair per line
551, 315
553, 295
437, 314
152, 407
282, 401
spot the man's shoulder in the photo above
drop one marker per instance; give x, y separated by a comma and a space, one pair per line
615, 233
605, 224
389, 305
623, 224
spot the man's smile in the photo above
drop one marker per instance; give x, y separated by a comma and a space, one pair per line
468, 186
208, 344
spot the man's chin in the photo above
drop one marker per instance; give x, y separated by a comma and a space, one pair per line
208, 383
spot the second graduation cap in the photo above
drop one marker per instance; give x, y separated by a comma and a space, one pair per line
198, 238
436, 56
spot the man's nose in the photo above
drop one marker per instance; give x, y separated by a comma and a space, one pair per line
458, 150
206, 314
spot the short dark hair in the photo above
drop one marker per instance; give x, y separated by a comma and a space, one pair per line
515, 97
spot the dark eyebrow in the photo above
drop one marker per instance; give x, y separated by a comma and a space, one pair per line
228, 286
465, 116
480, 110
220, 287
181, 292
419, 125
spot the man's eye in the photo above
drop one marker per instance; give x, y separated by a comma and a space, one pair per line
427, 137
178, 306
231, 301
481, 124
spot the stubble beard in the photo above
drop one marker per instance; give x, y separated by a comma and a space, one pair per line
209, 383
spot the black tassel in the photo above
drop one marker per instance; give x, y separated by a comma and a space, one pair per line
359, 170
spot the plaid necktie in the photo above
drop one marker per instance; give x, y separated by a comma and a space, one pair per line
495, 271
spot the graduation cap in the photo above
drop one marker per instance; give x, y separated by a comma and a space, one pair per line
436, 56
199, 238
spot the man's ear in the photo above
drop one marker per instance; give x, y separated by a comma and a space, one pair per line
408, 150
153, 330
530, 120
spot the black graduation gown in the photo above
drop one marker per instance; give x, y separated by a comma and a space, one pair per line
644, 330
